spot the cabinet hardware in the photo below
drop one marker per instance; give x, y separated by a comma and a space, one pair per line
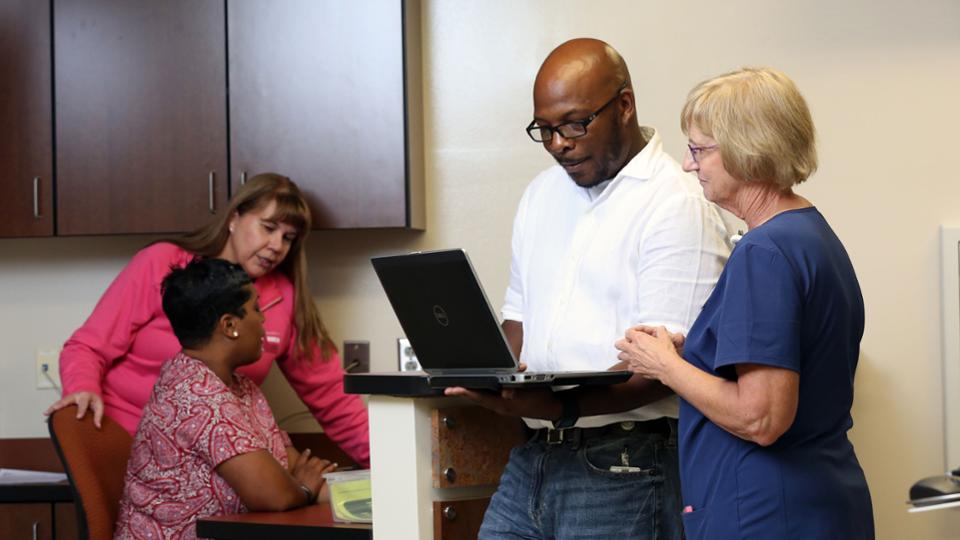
210, 182
36, 197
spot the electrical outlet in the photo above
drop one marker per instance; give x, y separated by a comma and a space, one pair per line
356, 356
48, 363
406, 357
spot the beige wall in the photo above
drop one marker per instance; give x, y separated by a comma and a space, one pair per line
881, 78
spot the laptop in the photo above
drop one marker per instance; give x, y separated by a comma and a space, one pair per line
453, 330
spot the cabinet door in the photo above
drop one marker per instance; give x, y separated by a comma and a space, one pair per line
317, 94
26, 140
140, 115
33, 520
65, 521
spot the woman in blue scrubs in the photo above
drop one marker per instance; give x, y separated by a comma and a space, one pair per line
765, 375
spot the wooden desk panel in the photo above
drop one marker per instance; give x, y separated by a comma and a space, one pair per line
36, 454
471, 445
312, 522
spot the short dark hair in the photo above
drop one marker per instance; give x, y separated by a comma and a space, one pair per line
197, 295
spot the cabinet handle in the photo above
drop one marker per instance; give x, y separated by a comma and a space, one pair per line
36, 530
243, 177
210, 186
36, 197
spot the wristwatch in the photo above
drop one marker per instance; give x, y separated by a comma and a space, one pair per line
570, 412
311, 496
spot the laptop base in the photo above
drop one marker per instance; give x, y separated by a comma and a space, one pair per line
495, 382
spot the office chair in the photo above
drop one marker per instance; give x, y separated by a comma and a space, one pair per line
95, 461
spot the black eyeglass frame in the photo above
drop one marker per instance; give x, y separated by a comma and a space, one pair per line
582, 123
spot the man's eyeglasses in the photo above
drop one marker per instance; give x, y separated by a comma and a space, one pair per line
697, 151
569, 130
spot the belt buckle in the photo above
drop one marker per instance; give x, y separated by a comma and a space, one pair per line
564, 435
555, 436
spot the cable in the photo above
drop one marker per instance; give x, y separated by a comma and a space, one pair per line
45, 369
291, 416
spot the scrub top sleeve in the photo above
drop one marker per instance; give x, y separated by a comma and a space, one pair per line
761, 311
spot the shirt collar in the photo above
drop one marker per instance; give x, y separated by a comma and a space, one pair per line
594, 192
642, 166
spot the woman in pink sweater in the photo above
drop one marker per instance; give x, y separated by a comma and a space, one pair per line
109, 365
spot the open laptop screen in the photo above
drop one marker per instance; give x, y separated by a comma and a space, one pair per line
444, 311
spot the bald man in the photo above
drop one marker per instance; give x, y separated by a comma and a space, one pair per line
614, 235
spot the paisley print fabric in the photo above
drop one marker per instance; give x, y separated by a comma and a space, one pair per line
192, 423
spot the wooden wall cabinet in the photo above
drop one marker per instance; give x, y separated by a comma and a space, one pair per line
140, 115
155, 111
26, 139
327, 92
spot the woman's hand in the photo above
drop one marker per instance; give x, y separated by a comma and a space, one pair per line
84, 400
309, 471
677, 339
650, 351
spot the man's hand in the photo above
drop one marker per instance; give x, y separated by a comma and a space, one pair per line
531, 403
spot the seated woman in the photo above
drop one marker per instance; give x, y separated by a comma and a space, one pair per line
110, 364
207, 443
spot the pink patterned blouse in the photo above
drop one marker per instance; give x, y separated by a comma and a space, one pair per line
192, 423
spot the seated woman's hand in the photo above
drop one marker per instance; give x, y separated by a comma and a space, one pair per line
309, 471
648, 350
83, 400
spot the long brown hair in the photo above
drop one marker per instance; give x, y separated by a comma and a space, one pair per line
292, 209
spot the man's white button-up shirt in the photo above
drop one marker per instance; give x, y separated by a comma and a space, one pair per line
587, 263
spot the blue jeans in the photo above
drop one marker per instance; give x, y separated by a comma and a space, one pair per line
568, 490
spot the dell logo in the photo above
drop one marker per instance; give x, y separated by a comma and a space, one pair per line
441, 316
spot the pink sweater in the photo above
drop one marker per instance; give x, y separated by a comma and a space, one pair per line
119, 350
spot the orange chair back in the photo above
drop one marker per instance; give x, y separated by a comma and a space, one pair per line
95, 461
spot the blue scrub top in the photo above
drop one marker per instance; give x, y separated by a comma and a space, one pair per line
789, 298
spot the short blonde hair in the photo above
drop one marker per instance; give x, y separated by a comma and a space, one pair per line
761, 123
